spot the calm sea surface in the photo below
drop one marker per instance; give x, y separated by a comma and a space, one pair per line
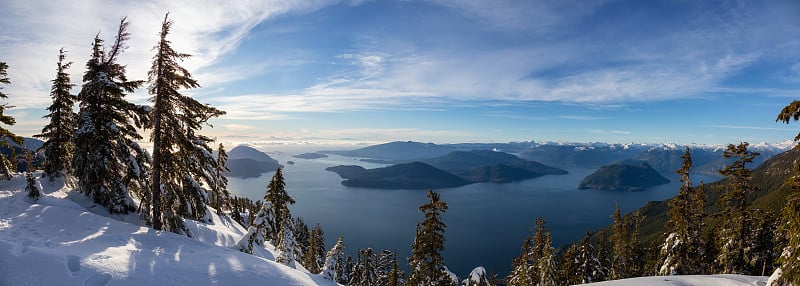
486, 223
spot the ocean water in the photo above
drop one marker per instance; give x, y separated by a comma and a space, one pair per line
486, 223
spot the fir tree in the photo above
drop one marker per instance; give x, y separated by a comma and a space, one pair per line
301, 237
603, 256
109, 165
735, 213
589, 268
789, 270
257, 231
521, 272
569, 268
314, 258
286, 244
280, 200
426, 261
365, 269
388, 274
221, 198
58, 147
628, 257
182, 161
333, 261
535, 265
682, 250
6, 167
33, 187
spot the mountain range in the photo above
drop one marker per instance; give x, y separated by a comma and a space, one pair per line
454, 169
663, 157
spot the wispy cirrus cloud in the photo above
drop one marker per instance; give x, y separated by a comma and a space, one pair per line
35, 30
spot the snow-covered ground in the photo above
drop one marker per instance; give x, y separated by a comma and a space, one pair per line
64, 239
689, 280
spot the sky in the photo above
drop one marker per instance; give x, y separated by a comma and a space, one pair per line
443, 71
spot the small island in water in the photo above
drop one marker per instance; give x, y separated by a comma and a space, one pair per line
629, 175
310, 156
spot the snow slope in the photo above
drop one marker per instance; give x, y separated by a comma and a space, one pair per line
63, 239
689, 280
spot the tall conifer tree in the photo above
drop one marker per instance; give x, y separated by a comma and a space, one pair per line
427, 263
789, 270
58, 146
221, 198
682, 250
280, 200
333, 261
182, 160
109, 165
6, 167
737, 223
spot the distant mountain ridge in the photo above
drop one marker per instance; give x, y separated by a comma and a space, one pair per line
247, 162
455, 169
664, 157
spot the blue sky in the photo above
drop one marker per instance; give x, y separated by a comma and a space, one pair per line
442, 71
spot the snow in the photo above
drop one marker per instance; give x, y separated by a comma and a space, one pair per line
689, 280
64, 239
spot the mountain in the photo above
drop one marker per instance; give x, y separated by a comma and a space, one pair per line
491, 166
31, 144
64, 239
628, 176
414, 175
398, 151
770, 177
247, 162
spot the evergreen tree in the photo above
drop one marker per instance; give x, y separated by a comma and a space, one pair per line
286, 244
301, 237
109, 165
736, 215
257, 231
6, 167
314, 258
521, 272
426, 261
280, 200
682, 250
221, 198
602, 256
333, 261
569, 271
589, 268
789, 270
58, 147
535, 265
628, 257
182, 161
33, 187
365, 270
546, 265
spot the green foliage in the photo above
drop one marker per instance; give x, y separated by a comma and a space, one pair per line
426, 261
109, 165
6, 167
182, 160
628, 256
32, 187
536, 264
736, 213
279, 201
220, 197
314, 257
682, 248
58, 146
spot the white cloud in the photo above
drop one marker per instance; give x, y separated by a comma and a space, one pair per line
207, 29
